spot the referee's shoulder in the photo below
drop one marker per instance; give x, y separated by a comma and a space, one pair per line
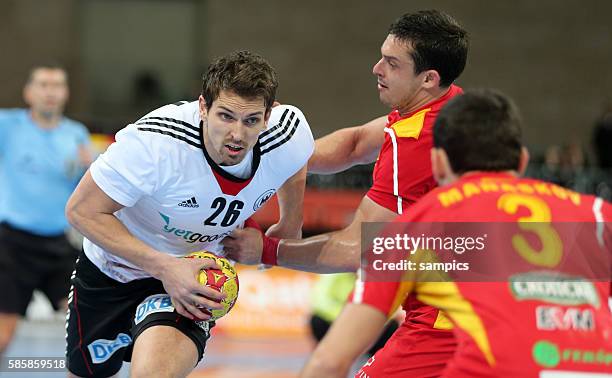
75, 126
10, 114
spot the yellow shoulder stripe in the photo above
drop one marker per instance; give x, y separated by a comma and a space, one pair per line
410, 127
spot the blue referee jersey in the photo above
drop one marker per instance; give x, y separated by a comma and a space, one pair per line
39, 169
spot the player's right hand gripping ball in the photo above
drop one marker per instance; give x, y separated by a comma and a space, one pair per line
224, 280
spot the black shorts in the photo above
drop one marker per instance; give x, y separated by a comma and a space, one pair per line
30, 262
106, 316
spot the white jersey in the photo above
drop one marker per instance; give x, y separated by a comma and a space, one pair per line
176, 198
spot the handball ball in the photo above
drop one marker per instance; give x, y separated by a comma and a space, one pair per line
224, 280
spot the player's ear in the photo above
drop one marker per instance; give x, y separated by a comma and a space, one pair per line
440, 166
203, 108
431, 79
437, 166
523, 161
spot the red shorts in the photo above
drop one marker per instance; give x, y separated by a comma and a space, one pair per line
411, 352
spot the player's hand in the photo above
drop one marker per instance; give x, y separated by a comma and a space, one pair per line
179, 277
244, 245
285, 231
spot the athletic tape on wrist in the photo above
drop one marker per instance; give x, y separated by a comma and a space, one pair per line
270, 244
269, 255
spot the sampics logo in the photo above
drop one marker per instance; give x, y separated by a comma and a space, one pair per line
188, 235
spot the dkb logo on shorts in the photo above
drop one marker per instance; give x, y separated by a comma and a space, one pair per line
101, 350
154, 303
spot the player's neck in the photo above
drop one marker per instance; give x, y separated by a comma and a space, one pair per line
45, 120
489, 173
423, 98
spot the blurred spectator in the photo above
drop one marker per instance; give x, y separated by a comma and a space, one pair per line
564, 166
42, 157
602, 139
572, 172
552, 165
147, 92
573, 157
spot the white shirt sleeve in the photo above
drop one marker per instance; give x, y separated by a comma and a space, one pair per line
289, 138
128, 170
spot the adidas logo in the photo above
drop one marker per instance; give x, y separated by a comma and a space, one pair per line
189, 203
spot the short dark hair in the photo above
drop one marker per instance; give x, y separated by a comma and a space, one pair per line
51, 65
438, 42
246, 74
480, 130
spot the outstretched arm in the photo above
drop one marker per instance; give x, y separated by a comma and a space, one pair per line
347, 147
327, 253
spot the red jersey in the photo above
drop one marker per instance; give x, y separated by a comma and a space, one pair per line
402, 173
518, 327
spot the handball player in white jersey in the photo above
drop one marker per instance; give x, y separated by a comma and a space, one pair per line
176, 181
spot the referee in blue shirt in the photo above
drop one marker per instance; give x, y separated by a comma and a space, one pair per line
42, 157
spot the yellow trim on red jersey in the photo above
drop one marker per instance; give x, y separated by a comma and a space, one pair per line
410, 127
446, 296
442, 321
404, 289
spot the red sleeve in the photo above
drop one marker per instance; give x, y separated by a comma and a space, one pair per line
384, 296
383, 198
